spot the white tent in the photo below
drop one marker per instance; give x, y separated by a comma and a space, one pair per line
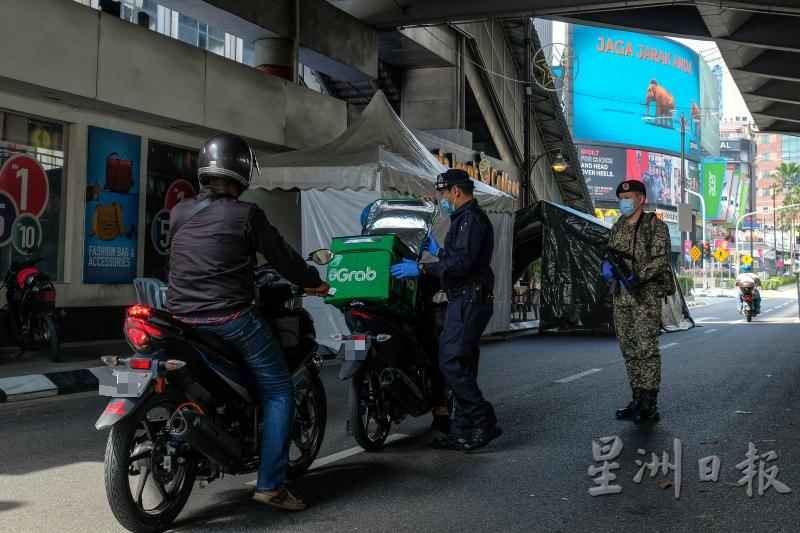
376, 157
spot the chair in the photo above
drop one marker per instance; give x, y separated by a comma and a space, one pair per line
151, 292
518, 302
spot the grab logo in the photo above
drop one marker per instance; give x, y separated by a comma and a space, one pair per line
343, 275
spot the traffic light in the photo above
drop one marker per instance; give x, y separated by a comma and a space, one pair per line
707, 248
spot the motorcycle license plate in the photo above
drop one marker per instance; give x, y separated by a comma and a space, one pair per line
125, 383
354, 350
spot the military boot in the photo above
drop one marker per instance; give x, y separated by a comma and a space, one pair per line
648, 412
633, 407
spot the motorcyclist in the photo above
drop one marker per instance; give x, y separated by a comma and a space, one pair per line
215, 238
746, 277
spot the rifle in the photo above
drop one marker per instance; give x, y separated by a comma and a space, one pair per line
620, 268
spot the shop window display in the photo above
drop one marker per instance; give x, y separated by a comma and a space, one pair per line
32, 178
171, 177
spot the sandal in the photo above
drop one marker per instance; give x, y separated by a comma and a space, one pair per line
282, 499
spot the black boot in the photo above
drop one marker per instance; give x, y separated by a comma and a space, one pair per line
633, 407
648, 412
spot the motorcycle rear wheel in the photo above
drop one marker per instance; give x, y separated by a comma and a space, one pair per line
50, 337
370, 417
311, 415
139, 431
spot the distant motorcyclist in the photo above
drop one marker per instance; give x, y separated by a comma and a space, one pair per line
745, 278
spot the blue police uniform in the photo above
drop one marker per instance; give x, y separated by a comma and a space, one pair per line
465, 271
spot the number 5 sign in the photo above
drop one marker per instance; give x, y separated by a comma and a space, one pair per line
25, 180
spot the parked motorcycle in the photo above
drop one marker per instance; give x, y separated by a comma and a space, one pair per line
185, 407
748, 307
31, 319
384, 356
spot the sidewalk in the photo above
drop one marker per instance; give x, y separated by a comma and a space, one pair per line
33, 375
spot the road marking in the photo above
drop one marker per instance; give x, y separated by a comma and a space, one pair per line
711, 331
344, 454
670, 345
579, 376
702, 318
769, 310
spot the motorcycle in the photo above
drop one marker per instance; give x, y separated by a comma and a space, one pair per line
184, 406
31, 319
387, 363
748, 307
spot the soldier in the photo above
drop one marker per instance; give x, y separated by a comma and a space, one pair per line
641, 243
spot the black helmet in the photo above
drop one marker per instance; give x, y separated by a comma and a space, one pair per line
228, 157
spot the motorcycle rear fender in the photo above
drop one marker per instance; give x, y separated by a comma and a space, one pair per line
349, 369
117, 409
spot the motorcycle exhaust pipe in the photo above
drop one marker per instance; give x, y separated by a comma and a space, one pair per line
207, 438
304, 375
403, 390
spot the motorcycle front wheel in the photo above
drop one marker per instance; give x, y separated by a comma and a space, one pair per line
311, 415
147, 485
370, 414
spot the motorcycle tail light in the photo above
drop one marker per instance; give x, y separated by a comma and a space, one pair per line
139, 334
360, 314
45, 296
141, 364
139, 311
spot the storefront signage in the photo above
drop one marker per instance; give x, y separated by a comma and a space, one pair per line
483, 171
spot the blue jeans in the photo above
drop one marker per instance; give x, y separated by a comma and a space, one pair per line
254, 340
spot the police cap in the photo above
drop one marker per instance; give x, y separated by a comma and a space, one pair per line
452, 177
631, 186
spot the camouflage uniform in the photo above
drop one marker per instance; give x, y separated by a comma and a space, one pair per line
637, 314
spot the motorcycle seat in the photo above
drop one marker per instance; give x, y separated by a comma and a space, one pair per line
28, 276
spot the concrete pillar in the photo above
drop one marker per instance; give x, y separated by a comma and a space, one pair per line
432, 98
275, 56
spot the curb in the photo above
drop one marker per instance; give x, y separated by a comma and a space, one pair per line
34, 386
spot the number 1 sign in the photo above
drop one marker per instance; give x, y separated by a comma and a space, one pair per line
26, 181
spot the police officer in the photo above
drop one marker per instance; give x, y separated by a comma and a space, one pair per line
641, 242
465, 273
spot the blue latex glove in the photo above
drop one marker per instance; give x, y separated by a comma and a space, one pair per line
432, 246
407, 269
608, 273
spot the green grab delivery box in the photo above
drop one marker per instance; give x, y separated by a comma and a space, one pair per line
360, 271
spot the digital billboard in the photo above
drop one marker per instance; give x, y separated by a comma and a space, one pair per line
713, 184
604, 167
631, 89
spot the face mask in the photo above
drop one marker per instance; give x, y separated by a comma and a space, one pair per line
626, 206
447, 208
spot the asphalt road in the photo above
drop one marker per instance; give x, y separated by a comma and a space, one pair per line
725, 384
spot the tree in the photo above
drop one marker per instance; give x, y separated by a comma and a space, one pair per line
787, 179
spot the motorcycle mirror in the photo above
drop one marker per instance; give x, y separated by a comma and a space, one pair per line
321, 257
